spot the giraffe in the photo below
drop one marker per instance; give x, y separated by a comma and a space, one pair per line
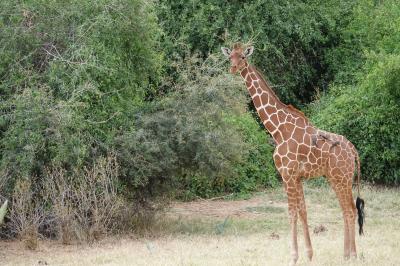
302, 151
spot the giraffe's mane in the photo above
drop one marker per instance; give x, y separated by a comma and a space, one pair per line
290, 108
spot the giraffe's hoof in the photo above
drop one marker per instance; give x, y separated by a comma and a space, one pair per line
309, 254
294, 259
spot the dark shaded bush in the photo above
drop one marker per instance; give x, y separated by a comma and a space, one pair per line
196, 140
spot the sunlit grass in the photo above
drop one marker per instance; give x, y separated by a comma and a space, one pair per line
263, 240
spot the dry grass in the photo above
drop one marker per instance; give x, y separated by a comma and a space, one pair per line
184, 238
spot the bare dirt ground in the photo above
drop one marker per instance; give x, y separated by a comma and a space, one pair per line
246, 209
239, 232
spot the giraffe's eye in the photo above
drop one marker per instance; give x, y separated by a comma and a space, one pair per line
243, 57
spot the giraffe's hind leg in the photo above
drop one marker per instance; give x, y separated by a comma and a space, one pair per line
342, 185
303, 218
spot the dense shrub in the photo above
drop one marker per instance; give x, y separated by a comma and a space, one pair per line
292, 38
364, 103
374, 26
258, 170
366, 114
72, 74
197, 139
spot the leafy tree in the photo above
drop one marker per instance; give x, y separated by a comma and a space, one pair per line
293, 38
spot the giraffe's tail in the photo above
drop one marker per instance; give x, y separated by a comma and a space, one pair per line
359, 201
357, 158
360, 210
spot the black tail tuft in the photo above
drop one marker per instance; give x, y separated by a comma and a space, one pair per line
360, 209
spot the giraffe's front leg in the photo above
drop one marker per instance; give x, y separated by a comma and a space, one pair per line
292, 194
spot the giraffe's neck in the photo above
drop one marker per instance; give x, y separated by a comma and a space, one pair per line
276, 116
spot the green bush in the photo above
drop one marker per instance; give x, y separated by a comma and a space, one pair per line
196, 139
363, 104
374, 26
367, 115
72, 75
258, 170
291, 38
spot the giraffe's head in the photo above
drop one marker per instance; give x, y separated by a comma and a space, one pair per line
238, 56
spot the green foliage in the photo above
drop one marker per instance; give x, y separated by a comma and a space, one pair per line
364, 103
374, 27
192, 141
366, 114
72, 75
258, 170
291, 38
80, 80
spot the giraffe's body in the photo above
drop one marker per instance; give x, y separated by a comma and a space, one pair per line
300, 147
302, 151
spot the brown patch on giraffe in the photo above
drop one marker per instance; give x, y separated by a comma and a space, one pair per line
253, 76
270, 110
317, 152
278, 137
244, 72
312, 158
333, 148
307, 139
292, 145
278, 161
301, 123
303, 149
259, 91
263, 115
291, 156
252, 90
301, 158
281, 116
298, 135
257, 101
296, 111
307, 167
269, 126
288, 129
282, 149
274, 119
264, 98
340, 164
255, 82
285, 160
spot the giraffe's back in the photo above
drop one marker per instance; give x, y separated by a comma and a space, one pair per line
310, 152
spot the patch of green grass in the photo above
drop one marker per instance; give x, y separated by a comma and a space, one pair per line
227, 226
265, 209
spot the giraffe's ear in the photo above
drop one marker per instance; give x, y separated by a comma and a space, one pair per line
226, 51
249, 50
